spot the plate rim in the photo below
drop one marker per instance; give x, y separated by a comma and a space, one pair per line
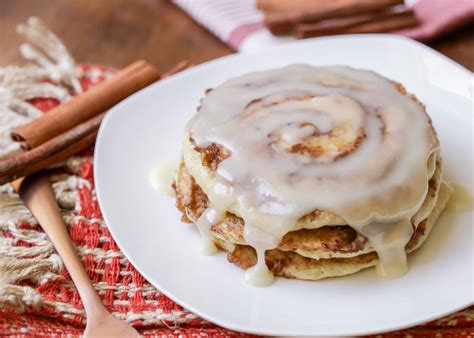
189, 307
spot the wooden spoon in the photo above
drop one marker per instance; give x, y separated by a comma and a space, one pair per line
37, 194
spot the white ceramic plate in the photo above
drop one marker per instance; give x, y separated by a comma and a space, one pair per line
146, 130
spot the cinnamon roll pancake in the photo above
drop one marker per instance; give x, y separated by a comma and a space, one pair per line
311, 172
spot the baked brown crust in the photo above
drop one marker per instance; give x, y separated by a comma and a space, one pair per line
284, 263
341, 239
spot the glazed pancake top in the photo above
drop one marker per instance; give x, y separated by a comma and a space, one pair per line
305, 138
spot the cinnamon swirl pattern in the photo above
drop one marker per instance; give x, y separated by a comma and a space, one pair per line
311, 172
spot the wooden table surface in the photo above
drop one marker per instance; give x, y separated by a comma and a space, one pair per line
117, 32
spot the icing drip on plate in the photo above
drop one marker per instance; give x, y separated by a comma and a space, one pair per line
204, 223
461, 201
162, 177
305, 138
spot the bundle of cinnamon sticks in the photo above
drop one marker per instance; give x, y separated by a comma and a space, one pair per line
73, 125
311, 18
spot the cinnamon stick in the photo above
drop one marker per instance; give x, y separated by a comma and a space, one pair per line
290, 5
405, 21
64, 145
47, 150
55, 157
284, 22
83, 107
366, 23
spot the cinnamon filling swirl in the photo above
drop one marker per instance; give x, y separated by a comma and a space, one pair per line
302, 138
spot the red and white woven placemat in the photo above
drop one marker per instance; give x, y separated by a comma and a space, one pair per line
37, 297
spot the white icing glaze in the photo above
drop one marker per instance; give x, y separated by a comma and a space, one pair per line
259, 275
204, 223
389, 240
461, 200
162, 177
376, 186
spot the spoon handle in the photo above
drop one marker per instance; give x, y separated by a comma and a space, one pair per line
37, 194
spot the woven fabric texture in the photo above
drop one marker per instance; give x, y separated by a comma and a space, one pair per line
37, 297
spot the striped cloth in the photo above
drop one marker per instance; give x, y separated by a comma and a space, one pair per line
240, 25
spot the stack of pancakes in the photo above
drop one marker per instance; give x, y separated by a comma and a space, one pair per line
321, 244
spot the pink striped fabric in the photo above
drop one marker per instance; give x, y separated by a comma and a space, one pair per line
230, 20
235, 21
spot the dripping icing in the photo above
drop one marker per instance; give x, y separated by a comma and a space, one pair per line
461, 200
259, 275
162, 177
376, 187
209, 217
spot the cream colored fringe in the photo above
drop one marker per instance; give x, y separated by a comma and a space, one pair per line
18, 84
39, 263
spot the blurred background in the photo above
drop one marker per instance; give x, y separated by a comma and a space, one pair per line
117, 32
112, 32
